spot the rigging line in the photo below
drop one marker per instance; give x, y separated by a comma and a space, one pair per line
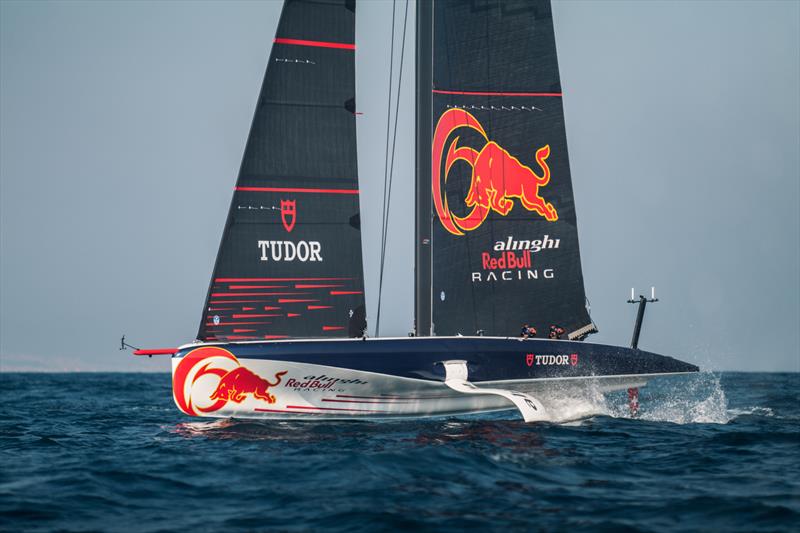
394, 134
386, 170
385, 229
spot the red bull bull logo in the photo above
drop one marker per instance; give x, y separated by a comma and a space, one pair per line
497, 176
216, 369
239, 382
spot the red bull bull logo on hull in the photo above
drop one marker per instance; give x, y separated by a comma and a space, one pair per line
497, 176
216, 369
239, 382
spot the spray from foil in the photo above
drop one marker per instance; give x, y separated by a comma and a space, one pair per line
695, 399
565, 407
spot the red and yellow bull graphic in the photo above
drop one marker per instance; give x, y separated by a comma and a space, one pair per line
497, 176
216, 369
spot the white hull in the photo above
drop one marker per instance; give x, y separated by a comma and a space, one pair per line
309, 391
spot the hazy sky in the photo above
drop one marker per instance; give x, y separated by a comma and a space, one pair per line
122, 126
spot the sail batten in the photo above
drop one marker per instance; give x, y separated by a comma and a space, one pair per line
504, 239
293, 220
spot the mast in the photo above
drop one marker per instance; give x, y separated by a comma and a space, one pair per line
423, 215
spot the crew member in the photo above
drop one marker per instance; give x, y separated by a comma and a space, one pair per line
527, 332
555, 332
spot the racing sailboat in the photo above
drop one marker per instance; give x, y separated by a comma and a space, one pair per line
282, 333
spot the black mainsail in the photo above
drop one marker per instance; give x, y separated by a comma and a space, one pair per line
504, 236
290, 264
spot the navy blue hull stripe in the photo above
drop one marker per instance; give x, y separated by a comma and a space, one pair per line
488, 359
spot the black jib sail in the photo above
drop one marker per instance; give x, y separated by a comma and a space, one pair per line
504, 236
289, 264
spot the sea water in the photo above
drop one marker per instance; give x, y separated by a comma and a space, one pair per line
110, 452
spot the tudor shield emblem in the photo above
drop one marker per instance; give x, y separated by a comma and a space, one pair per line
288, 214
529, 359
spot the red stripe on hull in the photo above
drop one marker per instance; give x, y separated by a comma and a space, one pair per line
393, 397
361, 401
285, 411
332, 409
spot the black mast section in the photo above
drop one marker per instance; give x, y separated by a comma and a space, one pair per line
422, 233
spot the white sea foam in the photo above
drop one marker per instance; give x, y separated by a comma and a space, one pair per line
696, 399
565, 408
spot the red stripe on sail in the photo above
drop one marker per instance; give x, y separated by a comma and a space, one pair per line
296, 189
211, 324
490, 93
253, 316
240, 287
312, 307
218, 294
276, 336
313, 286
346, 292
316, 44
270, 308
243, 330
293, 301
332, 328
236, 280
237, 301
